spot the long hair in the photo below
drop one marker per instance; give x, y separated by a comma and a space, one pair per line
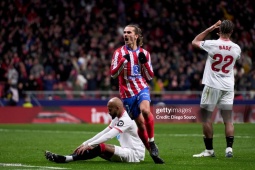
226, 27
138, 32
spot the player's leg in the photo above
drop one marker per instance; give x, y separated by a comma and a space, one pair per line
229, 131
149, 124
144, 137
131, 106
144, 107
148, 117
88, 154
128, 155
208, 101
133, 109
226, 105
207, 132
108, 153
142, 131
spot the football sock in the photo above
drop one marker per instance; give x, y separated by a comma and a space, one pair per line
230, 141
69, 158
151, 139
208, 143
149, 123
90, 153
144, 137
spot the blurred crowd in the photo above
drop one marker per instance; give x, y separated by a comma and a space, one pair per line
59, 44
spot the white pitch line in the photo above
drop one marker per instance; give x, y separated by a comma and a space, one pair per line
88, 132
45, 131
29, 166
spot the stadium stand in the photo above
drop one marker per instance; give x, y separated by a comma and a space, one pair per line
66, 46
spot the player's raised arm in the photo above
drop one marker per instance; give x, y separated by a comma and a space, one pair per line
200, 37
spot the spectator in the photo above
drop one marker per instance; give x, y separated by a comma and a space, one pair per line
50, 31
27, 102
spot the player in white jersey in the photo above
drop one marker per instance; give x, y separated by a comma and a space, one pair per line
131, 147
219, 81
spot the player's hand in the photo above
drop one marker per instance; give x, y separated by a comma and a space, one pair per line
216, 25
127, 56
81, 149
142, 58
75, 151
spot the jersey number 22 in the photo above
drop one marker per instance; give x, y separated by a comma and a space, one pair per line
228, 59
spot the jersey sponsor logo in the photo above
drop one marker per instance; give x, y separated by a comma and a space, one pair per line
120, 123
136, 70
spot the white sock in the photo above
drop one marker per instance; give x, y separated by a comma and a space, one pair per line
151, 139
69, 158
229, 149
211, 150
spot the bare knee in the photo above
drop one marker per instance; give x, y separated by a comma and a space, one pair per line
145, 112
145, 108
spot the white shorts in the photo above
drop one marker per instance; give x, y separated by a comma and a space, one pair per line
212, 97
128, 155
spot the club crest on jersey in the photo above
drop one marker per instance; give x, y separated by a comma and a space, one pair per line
120, 123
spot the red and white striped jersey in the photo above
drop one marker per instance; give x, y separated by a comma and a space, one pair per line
132, 75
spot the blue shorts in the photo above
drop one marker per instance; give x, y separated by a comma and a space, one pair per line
132, 104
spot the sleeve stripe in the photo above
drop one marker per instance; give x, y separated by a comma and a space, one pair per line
115, 60
118, 129
119, 70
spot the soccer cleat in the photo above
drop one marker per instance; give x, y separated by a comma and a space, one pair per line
229, 152
206, 153
155, 154
157, 160
54, 157
153, 149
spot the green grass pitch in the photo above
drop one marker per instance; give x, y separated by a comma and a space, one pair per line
23, 146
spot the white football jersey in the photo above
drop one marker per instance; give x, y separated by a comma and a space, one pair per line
219, 68
128, 136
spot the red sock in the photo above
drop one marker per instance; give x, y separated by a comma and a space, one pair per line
149, 123
102, 147
144, 137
